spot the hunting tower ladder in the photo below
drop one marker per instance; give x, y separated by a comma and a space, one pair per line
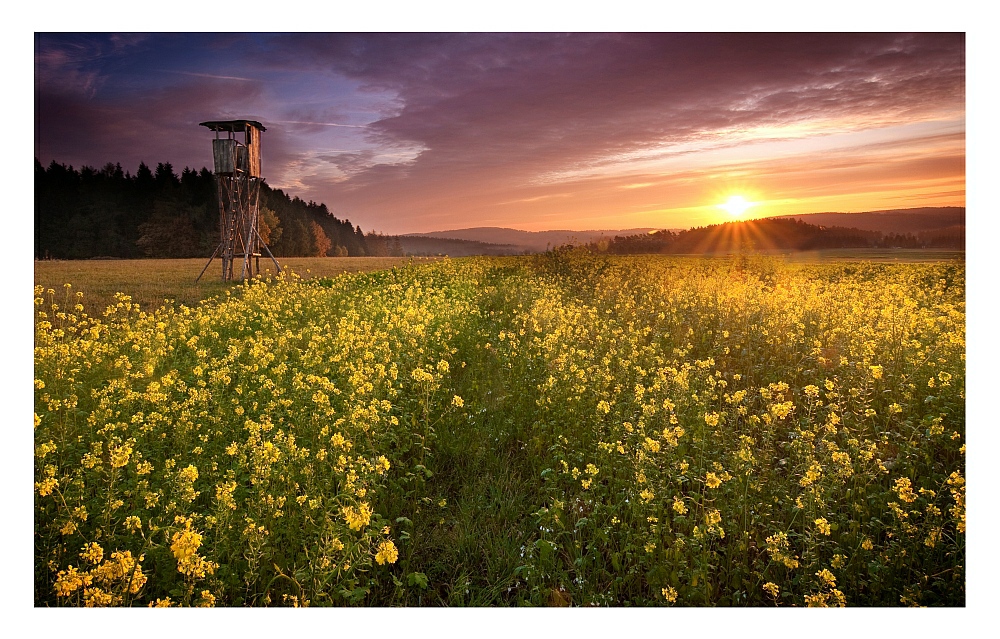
238, 180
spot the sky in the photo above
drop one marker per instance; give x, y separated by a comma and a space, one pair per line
417, 132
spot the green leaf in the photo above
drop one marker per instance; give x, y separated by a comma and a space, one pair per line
417, 579
358, 594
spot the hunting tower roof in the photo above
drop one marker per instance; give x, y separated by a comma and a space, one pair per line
232, 125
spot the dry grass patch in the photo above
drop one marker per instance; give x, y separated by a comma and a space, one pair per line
150, 283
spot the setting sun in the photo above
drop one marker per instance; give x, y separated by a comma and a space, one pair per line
736, 205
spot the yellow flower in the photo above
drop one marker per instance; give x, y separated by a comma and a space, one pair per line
45, 487
670, 594
905, 490
189, 474
92, 553
712, 481
815, 472
679, 506
207, 599
781, 410
933, 537
357, 518
457, 401
120, 454
771, 588
185, 543
387, 553
44, 449
70, 580
97, 598
823, 526
827, 577
224, 494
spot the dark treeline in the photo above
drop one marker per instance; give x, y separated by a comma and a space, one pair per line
108, 212
776, 234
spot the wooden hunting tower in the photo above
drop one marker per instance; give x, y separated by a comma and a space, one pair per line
238, 180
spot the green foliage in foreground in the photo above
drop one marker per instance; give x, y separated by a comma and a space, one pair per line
554, 430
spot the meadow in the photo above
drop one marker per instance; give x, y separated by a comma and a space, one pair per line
552, 430
153, 283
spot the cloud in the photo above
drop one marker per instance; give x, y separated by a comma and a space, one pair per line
155, 126
495, 112
212, 76
400, 129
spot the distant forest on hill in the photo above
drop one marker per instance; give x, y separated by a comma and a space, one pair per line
777, 234
107, 212
928, 218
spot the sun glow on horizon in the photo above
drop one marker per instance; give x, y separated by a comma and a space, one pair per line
736, 205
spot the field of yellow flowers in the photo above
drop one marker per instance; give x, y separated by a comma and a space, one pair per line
563, 429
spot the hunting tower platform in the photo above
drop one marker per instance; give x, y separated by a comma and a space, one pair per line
238, 180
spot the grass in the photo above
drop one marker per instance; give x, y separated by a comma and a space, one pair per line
152, 282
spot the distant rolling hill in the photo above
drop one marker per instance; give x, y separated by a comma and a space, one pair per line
520, 241
928, 226
900, 221
424, 245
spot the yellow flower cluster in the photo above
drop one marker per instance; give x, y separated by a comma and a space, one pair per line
184, 545
109, 582
263, 430
822, 526
357, 517
387, 553
778, 547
